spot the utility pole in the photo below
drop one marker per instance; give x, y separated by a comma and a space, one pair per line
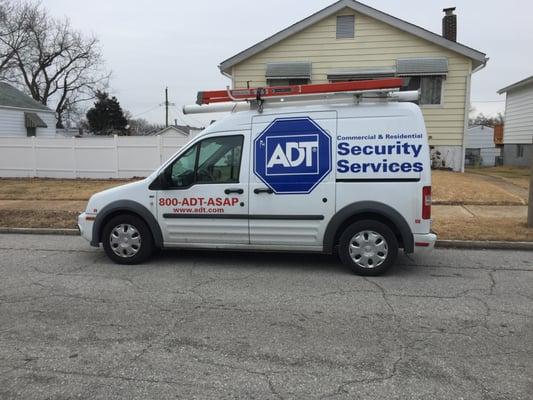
166, 107
167, 104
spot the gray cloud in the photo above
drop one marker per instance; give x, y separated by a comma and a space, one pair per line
153, 44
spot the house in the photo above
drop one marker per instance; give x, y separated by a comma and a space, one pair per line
351, 41
518, 128
171, 130
480, 147
20, 115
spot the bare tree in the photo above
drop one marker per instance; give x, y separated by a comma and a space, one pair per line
57, 64
15, 18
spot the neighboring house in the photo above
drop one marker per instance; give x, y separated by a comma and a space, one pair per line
192, 131
518, 128
351, 41
480, 147
171, 130
20, 115
179, 136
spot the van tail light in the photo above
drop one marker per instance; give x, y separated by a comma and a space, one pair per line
426, 202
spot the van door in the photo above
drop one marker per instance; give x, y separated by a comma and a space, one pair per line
205, 200
292, 183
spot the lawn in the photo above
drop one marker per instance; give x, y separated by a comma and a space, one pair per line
53, 189
456, 188
55, 203
519, 176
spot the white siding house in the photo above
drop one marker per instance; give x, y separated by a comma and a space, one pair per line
20, 115
480, 147
518, 128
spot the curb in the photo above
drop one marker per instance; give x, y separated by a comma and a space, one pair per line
41, 231
441, 244
483, 245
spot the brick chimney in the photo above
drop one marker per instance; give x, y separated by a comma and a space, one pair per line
449, 24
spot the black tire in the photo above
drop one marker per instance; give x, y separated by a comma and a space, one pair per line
145, 247
389, 249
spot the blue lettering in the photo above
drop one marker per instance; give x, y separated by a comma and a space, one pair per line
343, 166
343, 148
355, 168
367, 150
418, 167
356, 150
406, 167
394, 167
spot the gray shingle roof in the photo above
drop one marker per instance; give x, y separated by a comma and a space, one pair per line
11, 97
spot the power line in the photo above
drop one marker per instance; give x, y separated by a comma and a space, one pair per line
182, 117
147, 111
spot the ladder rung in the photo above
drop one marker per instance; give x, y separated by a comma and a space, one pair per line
219, 96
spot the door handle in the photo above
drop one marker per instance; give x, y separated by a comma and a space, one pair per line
234, 190
263, 190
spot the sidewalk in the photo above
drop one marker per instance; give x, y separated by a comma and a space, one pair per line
472, 211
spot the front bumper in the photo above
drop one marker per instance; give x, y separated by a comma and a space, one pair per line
424, 242
85, 225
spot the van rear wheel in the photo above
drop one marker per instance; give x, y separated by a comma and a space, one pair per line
368, 247
127, 240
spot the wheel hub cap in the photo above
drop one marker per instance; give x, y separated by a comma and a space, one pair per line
368, 249
125, 240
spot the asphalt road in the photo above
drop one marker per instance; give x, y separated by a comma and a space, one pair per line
210, 325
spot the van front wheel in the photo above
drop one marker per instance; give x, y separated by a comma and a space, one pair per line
127, 240
368, 247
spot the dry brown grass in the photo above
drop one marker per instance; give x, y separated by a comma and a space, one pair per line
53, 189
508, 229
519, 176
448, 188
456, 188
38, 218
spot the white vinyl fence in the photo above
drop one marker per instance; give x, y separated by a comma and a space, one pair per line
91, 157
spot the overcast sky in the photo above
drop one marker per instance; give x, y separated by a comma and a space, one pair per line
152, 44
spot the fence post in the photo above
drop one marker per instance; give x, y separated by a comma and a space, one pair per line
34, 157
530, 201
75, 168
115, 141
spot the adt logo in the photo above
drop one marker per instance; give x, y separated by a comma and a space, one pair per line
292, 155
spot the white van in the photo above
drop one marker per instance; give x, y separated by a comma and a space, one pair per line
351, 178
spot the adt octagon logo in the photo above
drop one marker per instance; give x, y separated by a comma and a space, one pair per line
292, 155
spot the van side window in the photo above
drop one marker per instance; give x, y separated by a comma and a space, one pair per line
213, 160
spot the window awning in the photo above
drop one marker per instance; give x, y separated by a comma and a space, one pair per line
361, 73
421, 66
32, 120
289, 70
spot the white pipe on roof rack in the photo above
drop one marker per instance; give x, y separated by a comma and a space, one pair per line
330, 98
410, 95
216, 107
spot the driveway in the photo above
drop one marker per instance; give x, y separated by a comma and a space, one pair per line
454, 324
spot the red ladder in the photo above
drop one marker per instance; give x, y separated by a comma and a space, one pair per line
220, 96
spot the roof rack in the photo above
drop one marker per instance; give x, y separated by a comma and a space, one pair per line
211, 101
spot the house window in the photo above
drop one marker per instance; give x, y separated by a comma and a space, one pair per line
31, 131
519, 151
430, 87
287, 82
345, 26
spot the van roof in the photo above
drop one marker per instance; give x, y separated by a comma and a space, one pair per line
241, 120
